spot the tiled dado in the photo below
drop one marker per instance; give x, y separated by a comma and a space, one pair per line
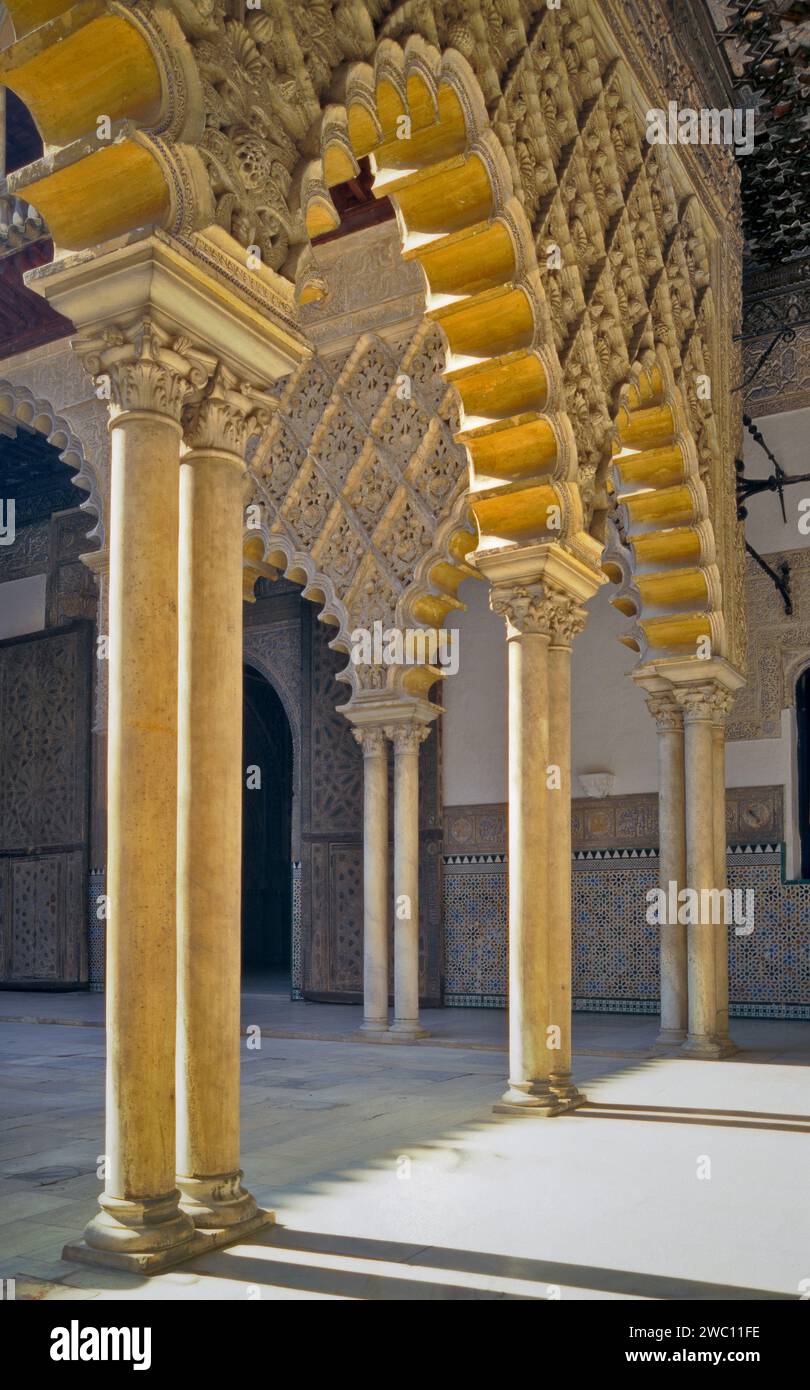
615, 952
297, 990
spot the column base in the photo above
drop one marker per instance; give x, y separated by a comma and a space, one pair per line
216, 1202
131, 1226
543, 1104
373, 1030
148, 1262
669, 1039
407, 1030
708, 1049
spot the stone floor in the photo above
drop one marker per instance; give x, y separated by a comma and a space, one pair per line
391, 1178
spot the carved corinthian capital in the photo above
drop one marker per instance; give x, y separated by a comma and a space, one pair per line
406, 738
141, 366
226, 414
666, 711
372, 741
704, 702
538, 608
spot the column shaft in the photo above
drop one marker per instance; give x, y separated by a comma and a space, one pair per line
540, 622
700, 873
558, 797
529, 1004
209, 845
406, 742
672, 869
139, 1204
720, 874
375, 880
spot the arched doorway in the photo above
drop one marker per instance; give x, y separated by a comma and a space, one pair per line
266, 838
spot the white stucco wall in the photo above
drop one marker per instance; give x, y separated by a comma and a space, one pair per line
788, 438
474, 754
611, 728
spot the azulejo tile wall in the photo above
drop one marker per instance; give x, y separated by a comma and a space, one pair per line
95, 932
297, 973
615, 951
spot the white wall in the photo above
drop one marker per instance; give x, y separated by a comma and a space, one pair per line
474, 755
22, 606
612, 730
788, 438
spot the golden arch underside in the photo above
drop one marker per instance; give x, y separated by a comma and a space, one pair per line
556, 440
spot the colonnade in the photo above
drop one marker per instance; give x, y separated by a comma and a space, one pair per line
405, 726
541, 592
180, 417
172, 349
172, 1178
690, 716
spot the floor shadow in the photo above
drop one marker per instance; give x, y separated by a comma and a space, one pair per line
693, 1115
247, 1265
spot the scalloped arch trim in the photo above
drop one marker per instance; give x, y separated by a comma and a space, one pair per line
18, 403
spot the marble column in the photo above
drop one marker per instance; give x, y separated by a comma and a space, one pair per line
153, 321
98, 562
699, 703
373, 742
406, 739
209, 823
722, 704
668, 717
140, 1224
539, 616
566, 621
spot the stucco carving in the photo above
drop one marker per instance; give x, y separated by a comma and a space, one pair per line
355, 477
645, 239
779, 649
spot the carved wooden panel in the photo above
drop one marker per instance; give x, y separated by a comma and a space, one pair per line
332, 826
42, 903
346, 917
44, 805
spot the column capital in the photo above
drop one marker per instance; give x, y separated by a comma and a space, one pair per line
708, 701
371, 740
97, 561
406, 738
223, 417
665, 710
142, 366
539, 609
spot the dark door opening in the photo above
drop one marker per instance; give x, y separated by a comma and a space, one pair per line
266, 839
803, 723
